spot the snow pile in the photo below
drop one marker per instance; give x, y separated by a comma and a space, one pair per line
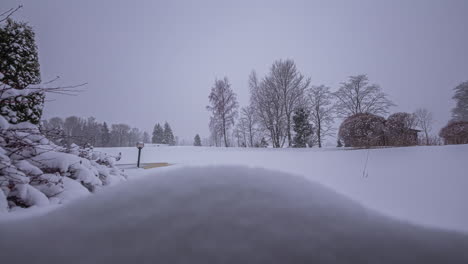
36, 172
223, 215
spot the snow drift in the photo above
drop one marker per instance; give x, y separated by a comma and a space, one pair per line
226, 214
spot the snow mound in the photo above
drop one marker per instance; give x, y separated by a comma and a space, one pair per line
223, 215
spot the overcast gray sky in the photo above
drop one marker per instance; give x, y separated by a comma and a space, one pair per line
151, 61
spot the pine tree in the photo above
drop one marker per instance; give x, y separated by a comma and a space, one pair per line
105, 135
302, 128
19, 63
158, 134
197, 141
168, 135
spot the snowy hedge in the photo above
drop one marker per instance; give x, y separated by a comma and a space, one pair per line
455, 133
363, 130
36, 172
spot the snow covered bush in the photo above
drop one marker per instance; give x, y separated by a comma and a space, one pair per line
33, 169
400, 129
21, 105
455, 133
363, 130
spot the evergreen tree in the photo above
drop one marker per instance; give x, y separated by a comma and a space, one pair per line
19, 63
105, 135
302, 128
168, 135
197, 141
19, 67
158, 134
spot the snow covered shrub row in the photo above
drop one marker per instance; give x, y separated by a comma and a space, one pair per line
399, 129
36, 172
363, 130
455, 133
367, 130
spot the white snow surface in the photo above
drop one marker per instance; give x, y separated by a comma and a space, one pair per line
223, 214
424, 185
4, 123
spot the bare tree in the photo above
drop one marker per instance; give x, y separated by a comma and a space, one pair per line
134, 136
248, 121
146, 137
119, 134
7, 14
268, 109
223, 106
241, 132
290, 85
424, 121
215, 132
321, 111
358, 96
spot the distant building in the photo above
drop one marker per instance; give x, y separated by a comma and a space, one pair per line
413, 136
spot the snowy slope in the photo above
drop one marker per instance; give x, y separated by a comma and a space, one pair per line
424, 185
222, 215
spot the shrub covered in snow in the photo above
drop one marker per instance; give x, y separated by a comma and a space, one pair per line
33, 169
368, 130
455, 133
363, 130
21, 105
400, 129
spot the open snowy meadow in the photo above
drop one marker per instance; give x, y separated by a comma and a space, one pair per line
423, 185
236, 205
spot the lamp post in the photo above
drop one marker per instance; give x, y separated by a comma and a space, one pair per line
139, 145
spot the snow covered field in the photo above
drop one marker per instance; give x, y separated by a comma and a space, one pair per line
211, 208
423, 185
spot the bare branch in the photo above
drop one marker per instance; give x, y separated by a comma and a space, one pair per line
9, 13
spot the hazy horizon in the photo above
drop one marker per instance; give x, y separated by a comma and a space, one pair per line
155, 61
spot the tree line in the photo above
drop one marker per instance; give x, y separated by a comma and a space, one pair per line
285, 109
88, 131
